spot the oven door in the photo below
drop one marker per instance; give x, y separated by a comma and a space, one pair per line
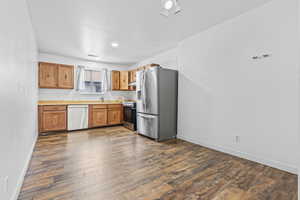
128, 115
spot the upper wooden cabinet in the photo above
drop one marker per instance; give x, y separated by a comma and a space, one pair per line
132, 76
115, 80
65, 77
124, 80
120, 80
132, 79
57, 76
48, 75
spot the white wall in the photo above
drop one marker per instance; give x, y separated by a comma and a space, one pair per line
59, 94
18, 96
167, 59
224, 93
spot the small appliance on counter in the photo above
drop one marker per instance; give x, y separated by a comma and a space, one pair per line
130, 115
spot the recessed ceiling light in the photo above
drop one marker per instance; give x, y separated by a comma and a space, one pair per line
170, 7
169, 4
115, 44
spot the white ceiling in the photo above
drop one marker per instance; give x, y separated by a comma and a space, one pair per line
78, 27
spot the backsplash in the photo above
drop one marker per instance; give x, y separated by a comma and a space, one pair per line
58, 94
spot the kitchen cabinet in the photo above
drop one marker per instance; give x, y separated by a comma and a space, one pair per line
132, 79
124, 80
97, 115
48, 75
55, 117
52, 118
103, 115
65, 77
115, 80
120, 80
56, 76
115, 114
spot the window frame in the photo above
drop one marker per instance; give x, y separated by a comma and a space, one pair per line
88, 92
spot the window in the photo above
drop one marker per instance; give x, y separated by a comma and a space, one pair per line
91, 80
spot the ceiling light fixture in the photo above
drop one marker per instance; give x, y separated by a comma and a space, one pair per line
93, 55
170, 7
168, 4
115, 44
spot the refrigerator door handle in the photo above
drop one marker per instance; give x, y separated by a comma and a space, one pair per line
144, 89
147, 116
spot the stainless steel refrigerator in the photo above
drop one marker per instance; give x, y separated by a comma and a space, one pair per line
157, 94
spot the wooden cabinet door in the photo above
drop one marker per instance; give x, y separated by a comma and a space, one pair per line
124, 79
48, 75
66, 77
53, 121
134, 75
98, 117
132, 79
115, 80
114, 116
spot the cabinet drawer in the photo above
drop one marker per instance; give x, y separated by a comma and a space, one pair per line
99, 106
115, 106
54, 108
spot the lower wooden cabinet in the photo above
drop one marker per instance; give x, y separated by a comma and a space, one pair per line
97, 117
52, 118
114, 115
104, 115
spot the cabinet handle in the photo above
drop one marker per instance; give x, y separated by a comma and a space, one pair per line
66, 76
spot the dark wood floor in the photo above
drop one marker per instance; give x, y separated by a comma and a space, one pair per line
116, 164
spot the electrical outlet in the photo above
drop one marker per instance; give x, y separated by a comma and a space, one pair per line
237, 139
5, 184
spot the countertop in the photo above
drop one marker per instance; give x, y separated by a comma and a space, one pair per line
49, 103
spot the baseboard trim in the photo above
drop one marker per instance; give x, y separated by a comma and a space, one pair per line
268, 162
21, 179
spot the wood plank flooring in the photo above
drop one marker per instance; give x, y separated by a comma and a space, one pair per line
116, 164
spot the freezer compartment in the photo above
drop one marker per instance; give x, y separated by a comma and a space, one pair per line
147, 125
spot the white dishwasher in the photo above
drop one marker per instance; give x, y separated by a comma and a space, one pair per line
78, 117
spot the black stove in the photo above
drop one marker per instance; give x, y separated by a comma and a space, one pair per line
130, 115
